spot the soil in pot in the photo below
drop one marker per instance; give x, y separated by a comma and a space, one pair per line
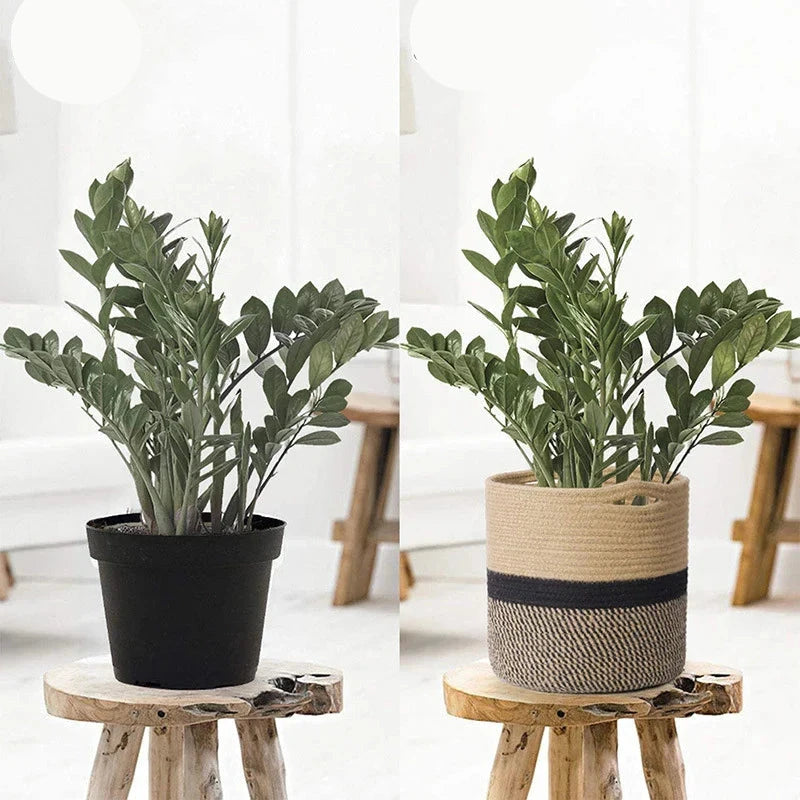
184, 612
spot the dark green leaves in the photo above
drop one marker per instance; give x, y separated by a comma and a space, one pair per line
660, 332
258, 332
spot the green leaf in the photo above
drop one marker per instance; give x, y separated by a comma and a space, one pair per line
751, 338
733, 419
419, 338
723, 364
339, 388
742, 387
15, 337
320, 363
700, 355
686, 310
319, 438
274, 385
283, 310
677, 385
79, 264
258, 332
329, 420
660, 332
348, 339
481, 263
777, 328
722, 438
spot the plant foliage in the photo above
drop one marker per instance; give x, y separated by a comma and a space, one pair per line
569, 387
166, 389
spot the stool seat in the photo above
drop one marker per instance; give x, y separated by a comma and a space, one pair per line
774, 409
583, 730
183, 726
87, 691
475, 692
373, 409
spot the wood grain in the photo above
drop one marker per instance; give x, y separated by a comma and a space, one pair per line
601, 770
474, 692
661, 759
566, 763
166, 763
514, 762
87, 691
115, 762
201, 762
262, 759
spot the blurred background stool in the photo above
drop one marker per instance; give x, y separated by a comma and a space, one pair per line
365, 526
183, 726
6, 575
583, 730
765, 526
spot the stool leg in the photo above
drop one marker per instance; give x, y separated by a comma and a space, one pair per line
566, 763
406, 575
661, 759
201, 763
601, 772
115, 762
369, 495
767, 505
515, 762
166, 763
262, 759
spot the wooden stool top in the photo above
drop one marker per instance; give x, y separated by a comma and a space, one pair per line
373, 409
474, 692
774, 409
88, 691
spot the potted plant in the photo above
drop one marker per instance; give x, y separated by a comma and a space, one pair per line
587, 548
185, 581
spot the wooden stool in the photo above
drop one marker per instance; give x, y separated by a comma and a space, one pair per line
583, 730
365, 526
765, 525
183, 726
6, 575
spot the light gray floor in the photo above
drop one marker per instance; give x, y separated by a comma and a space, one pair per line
751, 755
57, 618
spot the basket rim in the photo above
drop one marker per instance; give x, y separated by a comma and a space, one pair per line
524, 481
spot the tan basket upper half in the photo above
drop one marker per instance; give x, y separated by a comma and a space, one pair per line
586, 534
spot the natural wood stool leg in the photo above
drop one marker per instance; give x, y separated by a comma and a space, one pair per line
262, 759
767, 505
6, 575
201, 763
600, 769
369, 495
115, 762
566, 763
515, 762
407, 579
166, 763
661, 759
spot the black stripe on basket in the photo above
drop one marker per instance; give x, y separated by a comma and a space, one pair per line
552, 593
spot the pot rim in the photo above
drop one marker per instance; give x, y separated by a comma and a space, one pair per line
524, 481
102, 525
199, 552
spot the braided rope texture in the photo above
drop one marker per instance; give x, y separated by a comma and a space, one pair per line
587, 592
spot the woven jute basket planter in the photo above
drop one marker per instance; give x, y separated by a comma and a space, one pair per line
587, 592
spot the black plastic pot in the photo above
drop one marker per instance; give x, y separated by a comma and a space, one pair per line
184, 612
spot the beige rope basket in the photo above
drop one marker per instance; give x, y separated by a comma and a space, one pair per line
587, 591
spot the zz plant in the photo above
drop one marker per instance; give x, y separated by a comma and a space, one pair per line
175, 417
569, 386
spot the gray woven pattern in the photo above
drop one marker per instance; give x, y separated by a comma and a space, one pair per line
594, 651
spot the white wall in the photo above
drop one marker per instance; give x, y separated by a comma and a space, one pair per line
281, 116
675, 115
28, 192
